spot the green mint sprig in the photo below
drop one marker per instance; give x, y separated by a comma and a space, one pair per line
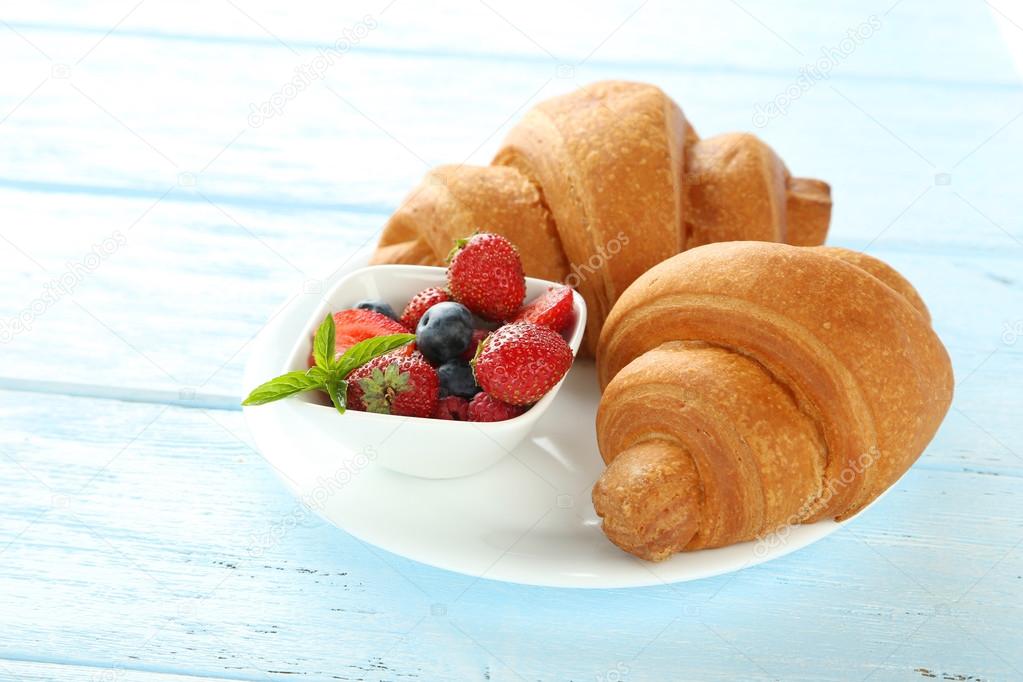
330, 373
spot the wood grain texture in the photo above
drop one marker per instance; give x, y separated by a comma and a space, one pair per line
31, 671
147, 541
699, 36
371, 108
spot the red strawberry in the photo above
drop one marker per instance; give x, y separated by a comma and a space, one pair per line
552, 309
452, 407
520, 362
486, 408
485, 275
354, 325
394, 383
477, 336
420, 303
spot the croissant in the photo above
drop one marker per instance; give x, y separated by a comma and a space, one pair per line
748, 386
597, 186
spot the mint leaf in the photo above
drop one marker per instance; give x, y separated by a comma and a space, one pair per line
323, 344
337, 389
319, 373
364, 351
330, 372
283, 386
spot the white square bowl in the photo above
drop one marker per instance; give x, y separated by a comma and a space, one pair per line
428, 448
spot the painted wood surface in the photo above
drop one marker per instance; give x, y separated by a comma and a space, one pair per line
134, 535
224, 580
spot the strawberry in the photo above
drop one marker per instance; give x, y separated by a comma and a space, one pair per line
452, 407
520, 362
485, 275
394, 383
477, 336
487, 408
420, 303
552, 309
354, 325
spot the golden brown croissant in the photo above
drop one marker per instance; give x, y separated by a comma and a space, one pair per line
597, 186
750, 386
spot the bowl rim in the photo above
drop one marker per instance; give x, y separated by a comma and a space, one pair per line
574, 342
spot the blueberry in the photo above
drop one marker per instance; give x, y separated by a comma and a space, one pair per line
444, 332
377, 307
456, 379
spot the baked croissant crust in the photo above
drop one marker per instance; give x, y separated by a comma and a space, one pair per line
597, 186
749, 386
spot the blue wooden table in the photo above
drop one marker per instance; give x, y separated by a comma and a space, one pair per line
170, 172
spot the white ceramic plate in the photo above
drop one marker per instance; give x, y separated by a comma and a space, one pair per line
527, 519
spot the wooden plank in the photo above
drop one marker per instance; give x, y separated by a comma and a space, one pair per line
136, 316
129, 532
755, 36
364, 135
30, 671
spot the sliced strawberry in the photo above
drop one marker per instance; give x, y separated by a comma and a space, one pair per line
551, 309
355, 325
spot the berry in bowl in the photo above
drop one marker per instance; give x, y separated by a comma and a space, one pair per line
444, 388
